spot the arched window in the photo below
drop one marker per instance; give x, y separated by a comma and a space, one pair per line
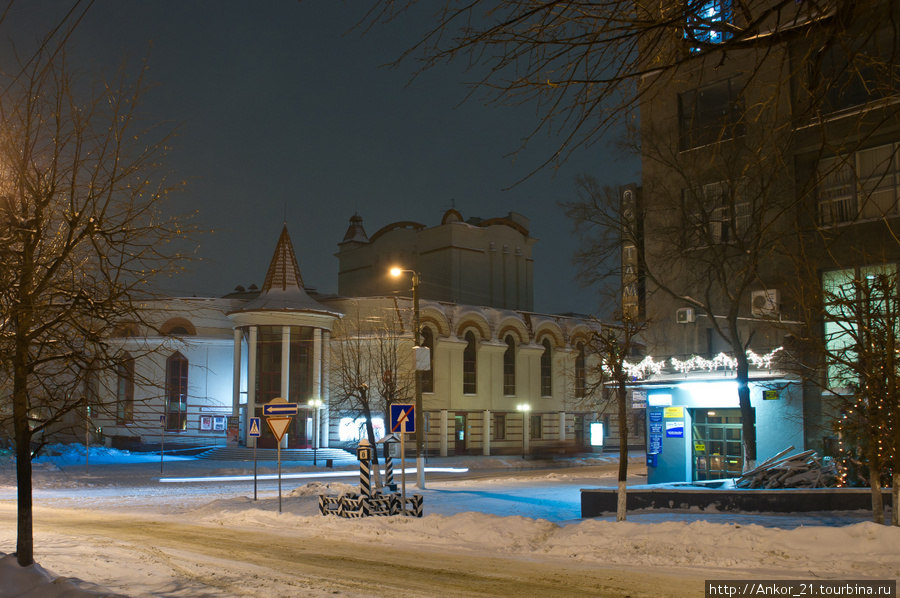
125, 390
509, 367
428, 375
469, 386
176, 392
546, 370
579, 370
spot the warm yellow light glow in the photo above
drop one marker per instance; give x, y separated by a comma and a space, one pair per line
395, 272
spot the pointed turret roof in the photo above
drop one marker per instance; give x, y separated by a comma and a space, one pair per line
283, 288
355, 232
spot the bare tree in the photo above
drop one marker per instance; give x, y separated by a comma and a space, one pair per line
82, 236
854, 364
372, 363
611, 346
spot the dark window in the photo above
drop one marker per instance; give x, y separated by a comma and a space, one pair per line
509, 367
300, 372
856, 69
499, 426
268, 363
546, 370
536, 428
125, 390
428, 375
711, 114
579, 371
469, 386
176, 392
714, 214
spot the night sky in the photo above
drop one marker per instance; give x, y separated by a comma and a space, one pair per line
283, 110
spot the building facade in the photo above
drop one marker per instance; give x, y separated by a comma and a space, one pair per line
768, 165
499, 380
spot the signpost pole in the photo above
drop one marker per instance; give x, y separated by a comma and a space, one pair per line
162, 441
403, 468
279, 476
254, 469
254, 434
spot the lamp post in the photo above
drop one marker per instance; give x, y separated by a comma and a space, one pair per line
315, 404
524, 408
420, 415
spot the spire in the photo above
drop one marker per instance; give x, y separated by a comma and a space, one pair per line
284, 272
283, 288
355, 232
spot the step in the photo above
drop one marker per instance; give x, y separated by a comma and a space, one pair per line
246, 454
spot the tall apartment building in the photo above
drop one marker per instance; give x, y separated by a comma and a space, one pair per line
768, 155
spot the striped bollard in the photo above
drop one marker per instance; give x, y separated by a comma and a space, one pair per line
364, 453
389, 443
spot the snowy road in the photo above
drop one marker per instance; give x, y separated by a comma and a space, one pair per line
502, 530
166, 557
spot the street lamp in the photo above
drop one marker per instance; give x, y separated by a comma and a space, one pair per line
420, 415
524, 408
315, 404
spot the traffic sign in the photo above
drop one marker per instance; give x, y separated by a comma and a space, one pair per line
403, 418
162, 421
279, 426
254, 427
273, 408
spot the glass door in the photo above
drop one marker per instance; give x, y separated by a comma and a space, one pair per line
718, 448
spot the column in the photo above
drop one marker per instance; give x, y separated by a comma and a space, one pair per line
487, 426
285, 372
251, 379
317, 363
324, 417
236, 388
562, 426
443, 433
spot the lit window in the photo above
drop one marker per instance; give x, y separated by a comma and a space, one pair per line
706, 22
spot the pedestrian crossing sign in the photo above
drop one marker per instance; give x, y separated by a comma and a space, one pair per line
254, 427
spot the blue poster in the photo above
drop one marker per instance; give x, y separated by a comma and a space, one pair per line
656, 428
656, 416
655, 445
674, 429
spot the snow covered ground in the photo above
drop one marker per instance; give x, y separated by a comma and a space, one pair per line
504, 508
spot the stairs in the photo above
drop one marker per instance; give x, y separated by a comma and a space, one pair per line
338, 456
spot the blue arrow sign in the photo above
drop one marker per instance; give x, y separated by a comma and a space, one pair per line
254, 426
403, 418
271, 409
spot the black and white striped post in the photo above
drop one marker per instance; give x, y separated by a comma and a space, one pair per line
364, 454
389, 443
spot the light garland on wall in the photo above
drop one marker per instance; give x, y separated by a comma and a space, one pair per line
648, 366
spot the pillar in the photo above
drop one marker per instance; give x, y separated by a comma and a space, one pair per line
236, 388
488, 425
285, 372
325, 395
443, 433
562, 426
251, 379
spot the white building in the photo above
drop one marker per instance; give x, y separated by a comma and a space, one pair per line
217, 361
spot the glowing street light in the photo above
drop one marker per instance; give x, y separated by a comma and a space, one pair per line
524, 408
420, 415
315, 404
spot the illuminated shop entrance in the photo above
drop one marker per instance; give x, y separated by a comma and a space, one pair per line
718, 448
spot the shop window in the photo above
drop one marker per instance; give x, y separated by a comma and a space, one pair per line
176, 392
469, 365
